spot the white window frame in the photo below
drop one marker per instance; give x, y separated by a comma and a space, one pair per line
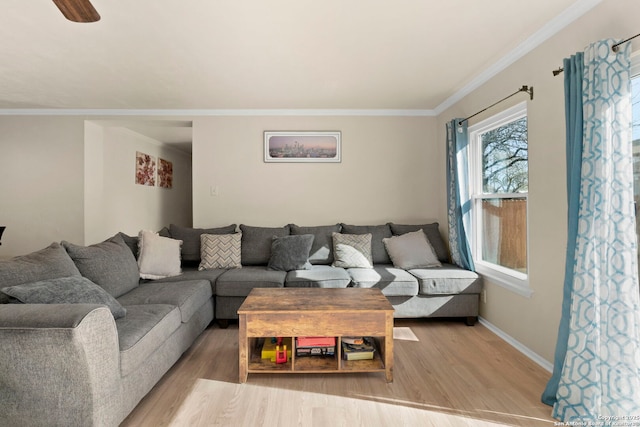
515, 281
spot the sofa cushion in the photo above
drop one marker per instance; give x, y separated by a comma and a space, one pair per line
411, 250
256, 243
446, 280
322, 249
188, 296
51, 262
390, 280
142, 331
159, 256
65, 290
432, 233
220, 251
318, 276
378, 232
109, 264
290, 252
192, 273
352, 250
239, 282
191, 238
131, 242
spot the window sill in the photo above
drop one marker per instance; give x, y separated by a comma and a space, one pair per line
513, 284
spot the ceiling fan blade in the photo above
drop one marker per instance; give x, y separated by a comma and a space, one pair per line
78, 10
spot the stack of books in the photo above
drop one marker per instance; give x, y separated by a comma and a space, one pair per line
357, 348
315, 346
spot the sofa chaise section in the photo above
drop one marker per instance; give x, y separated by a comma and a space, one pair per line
60, 366
89, 364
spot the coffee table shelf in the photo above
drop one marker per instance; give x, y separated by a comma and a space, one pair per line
311, 364
297, 312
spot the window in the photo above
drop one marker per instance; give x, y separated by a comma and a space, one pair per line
499, 186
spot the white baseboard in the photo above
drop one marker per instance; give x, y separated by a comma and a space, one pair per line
518, 345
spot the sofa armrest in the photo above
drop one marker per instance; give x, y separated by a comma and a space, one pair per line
59, 365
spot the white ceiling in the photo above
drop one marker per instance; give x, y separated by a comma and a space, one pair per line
257, 54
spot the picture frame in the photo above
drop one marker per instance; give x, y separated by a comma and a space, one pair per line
165, 173
302, 146
145, 169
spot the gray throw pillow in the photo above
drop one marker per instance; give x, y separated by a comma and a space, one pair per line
48, 263
322, 248
352, 250
433, 235
411, 250
291, 252
110, 264
65, 290
256, 243
190, 237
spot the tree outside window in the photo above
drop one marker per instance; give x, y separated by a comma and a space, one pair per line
502, 182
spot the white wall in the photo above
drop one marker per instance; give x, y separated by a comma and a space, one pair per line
62, 180
113, 201
534, 321
388, 173
41, 182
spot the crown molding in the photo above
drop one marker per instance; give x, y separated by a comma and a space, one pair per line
552, 27
205, 112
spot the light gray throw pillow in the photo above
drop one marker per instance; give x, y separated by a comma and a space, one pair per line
65, 290
411, 250
433, 235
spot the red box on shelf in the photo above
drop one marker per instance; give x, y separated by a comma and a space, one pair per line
315, 341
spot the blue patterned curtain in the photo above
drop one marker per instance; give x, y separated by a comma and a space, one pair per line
573, 72
600, 371
458, 202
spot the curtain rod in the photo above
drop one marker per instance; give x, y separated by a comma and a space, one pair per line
524, 88
615, 48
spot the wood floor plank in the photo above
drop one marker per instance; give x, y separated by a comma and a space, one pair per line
454, 375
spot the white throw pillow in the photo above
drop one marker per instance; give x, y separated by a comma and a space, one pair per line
159, 257
411, 250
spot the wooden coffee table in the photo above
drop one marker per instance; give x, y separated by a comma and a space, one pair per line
298, 312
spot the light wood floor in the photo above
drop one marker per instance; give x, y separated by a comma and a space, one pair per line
454, 369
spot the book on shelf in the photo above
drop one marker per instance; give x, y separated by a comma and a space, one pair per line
315, 351
315, 346
362, 351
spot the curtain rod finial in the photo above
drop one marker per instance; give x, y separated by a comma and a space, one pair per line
527, 89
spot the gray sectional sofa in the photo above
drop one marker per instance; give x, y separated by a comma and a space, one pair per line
85, 338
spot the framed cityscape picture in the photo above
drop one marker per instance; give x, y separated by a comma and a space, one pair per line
307, 146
